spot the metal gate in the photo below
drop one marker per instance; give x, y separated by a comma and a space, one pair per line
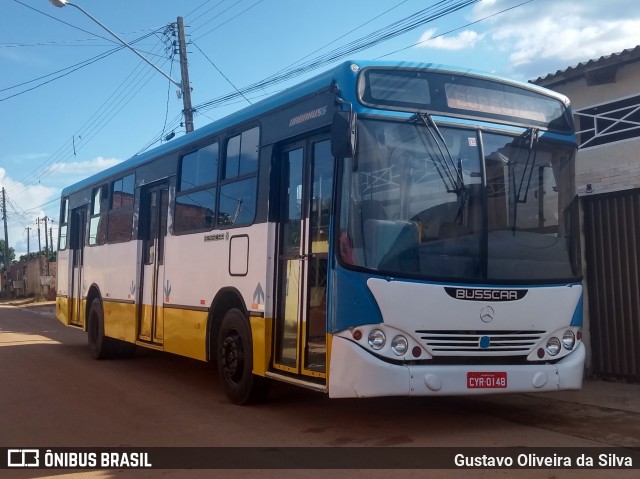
612, 237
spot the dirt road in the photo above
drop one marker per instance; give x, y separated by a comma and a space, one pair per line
54, 395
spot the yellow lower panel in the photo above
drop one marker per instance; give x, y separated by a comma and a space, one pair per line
261, 336
185, 333
120, 320
76, 311
62, 309
151, 324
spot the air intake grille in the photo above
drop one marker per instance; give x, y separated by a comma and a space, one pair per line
485, 343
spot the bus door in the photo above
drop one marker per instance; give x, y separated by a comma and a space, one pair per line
154, 202
306, 198
78, 229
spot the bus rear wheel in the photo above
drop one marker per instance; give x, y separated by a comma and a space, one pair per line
235, 361
100, 346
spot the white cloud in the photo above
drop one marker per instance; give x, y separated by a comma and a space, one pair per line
24, 206
464, 39
82, 168
560, 32
31, 201
571, 40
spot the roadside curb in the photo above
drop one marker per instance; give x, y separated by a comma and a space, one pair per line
28, 303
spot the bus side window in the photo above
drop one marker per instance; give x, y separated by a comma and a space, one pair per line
195, 203
239, 185
121, 212
64, 220
97, 223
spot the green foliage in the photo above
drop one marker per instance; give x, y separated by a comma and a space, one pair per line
26, 257
12, 254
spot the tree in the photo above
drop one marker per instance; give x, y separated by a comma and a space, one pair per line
27, 257
12, 255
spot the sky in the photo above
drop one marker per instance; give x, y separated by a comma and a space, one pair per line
70, 106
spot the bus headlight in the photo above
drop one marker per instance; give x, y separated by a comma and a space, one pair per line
553, 346
377, 339
568, 339
399, 345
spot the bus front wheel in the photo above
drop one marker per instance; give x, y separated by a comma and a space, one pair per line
235, 361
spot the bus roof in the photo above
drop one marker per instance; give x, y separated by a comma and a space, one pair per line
342, 74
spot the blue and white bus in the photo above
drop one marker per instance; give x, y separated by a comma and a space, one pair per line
382, 229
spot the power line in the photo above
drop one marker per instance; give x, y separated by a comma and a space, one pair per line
62, 21
426, 15
166, 111
411, 22
223, 75
455, 29
197, 8
104, 107
21, 214
120, 97
71, 69
192, 22
399, 27
227, 21
345, 34
68, 43
67, 70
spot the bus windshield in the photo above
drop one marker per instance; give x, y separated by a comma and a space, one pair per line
459, 204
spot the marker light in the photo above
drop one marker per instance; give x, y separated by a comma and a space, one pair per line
377, 339
357, 335
568, 339
399, 345
553, 346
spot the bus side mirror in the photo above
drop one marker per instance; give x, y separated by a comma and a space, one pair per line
343, 134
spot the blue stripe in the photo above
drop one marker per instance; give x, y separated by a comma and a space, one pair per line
577, 314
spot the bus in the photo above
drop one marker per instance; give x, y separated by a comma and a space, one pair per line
381, 229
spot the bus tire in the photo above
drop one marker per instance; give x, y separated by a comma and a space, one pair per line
100, 346
235, 361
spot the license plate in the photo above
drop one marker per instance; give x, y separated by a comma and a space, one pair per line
487, 380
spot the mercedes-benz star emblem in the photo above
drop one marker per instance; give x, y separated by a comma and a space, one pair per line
486, 314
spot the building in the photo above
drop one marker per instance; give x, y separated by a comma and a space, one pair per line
33, 277
605, 97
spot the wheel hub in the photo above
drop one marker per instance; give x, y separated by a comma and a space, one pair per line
232, 357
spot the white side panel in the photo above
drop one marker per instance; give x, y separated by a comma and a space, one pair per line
197, 267
62, 273
113, 268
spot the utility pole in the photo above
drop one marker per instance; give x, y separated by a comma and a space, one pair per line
184, 72
6, 242
28, 241
46, 238
39, 243
185, 88
46, 245
51, 239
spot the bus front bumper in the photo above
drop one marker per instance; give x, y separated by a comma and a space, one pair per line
356, 373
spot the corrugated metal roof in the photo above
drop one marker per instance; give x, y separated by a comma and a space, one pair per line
575, 72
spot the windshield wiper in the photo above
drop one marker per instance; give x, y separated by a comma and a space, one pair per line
532, 135
453, 173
